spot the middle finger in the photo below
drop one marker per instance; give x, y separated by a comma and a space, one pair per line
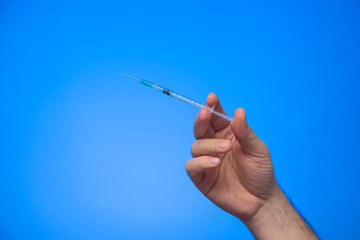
203, 147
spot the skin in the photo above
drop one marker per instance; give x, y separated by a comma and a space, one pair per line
232, 167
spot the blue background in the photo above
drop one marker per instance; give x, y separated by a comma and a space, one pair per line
87, 153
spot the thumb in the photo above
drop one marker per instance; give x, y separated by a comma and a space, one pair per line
251, 144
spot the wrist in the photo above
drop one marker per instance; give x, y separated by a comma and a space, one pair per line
277, 219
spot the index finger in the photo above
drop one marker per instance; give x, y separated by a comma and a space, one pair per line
217, 122
202, 125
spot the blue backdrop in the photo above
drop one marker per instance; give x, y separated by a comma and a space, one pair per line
87, 153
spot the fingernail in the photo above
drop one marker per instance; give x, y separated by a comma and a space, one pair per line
214, 160
222, 144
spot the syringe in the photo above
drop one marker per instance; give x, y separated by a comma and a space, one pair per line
180, 97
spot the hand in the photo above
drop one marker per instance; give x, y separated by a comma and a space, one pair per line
231, 165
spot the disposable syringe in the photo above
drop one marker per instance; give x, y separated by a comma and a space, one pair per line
180, 97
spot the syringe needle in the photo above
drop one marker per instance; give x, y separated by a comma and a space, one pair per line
132, 77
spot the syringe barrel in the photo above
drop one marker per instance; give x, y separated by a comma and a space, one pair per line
184, 99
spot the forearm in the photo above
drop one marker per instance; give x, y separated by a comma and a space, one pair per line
277, 219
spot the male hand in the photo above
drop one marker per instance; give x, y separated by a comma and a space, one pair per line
232, 167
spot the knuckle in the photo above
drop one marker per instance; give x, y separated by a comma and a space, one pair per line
187, 167
264, 148
196, 135
250, 132
194, 147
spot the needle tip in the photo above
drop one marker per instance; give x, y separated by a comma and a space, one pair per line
131, 77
